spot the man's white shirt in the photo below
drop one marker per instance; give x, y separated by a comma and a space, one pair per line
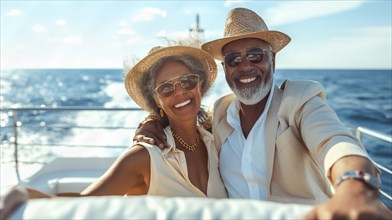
242, 160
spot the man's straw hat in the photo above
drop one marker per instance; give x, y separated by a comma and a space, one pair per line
244, 23
133, 76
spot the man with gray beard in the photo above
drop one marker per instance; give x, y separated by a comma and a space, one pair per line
284, 144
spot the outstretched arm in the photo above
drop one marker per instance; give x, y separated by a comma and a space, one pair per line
353, 198
327, 139
129, 174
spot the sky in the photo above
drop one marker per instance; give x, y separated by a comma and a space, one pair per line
102, 34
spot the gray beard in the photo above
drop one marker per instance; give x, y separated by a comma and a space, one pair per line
252, 96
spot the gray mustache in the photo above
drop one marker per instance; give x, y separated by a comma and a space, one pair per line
252, 72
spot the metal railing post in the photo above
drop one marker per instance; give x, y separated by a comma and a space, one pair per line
15, 118
358, 133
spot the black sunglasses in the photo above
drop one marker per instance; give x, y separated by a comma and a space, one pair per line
253, 55
188, 82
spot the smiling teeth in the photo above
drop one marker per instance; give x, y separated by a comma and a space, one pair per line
182, 104
248, 80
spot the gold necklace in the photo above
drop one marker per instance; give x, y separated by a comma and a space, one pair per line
186, 145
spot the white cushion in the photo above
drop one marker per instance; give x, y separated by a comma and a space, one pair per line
153, 207
71, 184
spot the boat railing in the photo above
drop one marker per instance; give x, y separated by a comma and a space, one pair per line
16, 126
359, 132
16, 123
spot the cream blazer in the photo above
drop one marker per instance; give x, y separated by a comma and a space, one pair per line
303, 139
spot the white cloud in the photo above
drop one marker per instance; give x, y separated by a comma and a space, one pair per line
123, 23
135, 40
117, 45
359, 48
75, 39
148, 14
38, 28
53, 40
126, 31
61, 22
14, 12
173, 35
20, 47
291, 12
138, 40
213, 34
229, 3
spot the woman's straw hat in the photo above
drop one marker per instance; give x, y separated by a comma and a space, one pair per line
244, 23
133, 76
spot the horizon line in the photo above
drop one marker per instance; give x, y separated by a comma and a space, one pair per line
117, 68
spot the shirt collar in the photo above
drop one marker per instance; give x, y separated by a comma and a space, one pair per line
171, 146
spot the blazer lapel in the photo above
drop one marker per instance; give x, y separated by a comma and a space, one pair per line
222, 126
224, 130
271, 128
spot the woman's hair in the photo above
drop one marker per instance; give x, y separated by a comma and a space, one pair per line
147, 85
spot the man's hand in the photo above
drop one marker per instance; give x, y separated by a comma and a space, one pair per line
151, 131
352, 200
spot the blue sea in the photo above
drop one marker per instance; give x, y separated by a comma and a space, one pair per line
359, 97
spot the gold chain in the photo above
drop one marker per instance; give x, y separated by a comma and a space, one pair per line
184, 144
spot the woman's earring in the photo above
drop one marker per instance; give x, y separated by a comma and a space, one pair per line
162, 113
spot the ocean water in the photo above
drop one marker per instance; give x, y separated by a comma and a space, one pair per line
359, 97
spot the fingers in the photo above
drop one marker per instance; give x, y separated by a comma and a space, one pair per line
158, 140
320, 212
310, 215
151, 132
386, 212
12, 200
142, 138
151, 138
161, 143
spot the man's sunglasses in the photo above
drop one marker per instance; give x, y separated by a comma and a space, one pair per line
253, 55
188, 82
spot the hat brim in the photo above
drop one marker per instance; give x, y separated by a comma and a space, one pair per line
276, 39
133, 76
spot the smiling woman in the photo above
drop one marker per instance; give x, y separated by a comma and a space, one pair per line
168, 82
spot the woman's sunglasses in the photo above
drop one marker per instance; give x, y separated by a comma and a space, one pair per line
253, 55
187, 82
